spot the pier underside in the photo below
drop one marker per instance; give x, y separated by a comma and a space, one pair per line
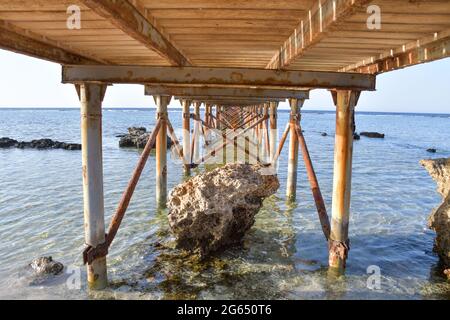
238, 60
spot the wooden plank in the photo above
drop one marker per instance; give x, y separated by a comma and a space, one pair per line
402, 18
225, 92
27, 5
313, 27
14, 39
228, 14
41, 15
37, 26
127, 18
217, 76
229, 4
388, 27
217, 23
405, 57
280, 30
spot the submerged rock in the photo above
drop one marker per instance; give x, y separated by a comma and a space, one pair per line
46, 266
439, 221
372, 134
323, 134
137, 137
38, 144
431, 150
215, 209
356, 136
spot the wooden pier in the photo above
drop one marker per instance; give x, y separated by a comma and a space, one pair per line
236, 59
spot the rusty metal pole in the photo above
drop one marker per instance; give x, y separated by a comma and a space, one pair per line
267, 146
224, 140
161, 151
273, 129
291, 186
186, 104
208, 122
197, 132
91, 97
345, 101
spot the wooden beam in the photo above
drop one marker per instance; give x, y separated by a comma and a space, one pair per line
226, 92
321, 18
126, 17
239, 77
13, 39
427, 49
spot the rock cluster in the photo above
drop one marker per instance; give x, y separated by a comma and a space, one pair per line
214, 210
137, 137
41, 144
439, 221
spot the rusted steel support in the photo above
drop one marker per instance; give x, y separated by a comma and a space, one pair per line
339, 243
91, 97
174, 138
291, 185
227, 140
267, 145
186, 135
91, 253
230, 92
161, 151
317, 194
196, 146
218, 122
201, 76
273, 129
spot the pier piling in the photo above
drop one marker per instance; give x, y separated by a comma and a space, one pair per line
161, 151
186, 104
345, 101
291, 186
91, 97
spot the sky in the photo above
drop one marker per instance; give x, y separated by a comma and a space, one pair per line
30, 82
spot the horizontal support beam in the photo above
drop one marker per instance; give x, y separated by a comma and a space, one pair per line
126, 17
226, 92
14, 41
229, 100
240, 77
423, 50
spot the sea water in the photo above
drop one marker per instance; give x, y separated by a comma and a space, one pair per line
284, 256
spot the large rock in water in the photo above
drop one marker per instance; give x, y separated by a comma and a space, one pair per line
439, 220
215, 209
137, 137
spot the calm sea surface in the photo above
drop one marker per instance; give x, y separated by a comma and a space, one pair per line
284, 256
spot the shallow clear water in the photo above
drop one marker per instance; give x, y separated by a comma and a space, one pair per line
284, 256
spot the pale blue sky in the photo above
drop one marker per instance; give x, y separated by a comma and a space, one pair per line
30, 82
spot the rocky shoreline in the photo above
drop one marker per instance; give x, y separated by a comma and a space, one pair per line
40, 144
439, 220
